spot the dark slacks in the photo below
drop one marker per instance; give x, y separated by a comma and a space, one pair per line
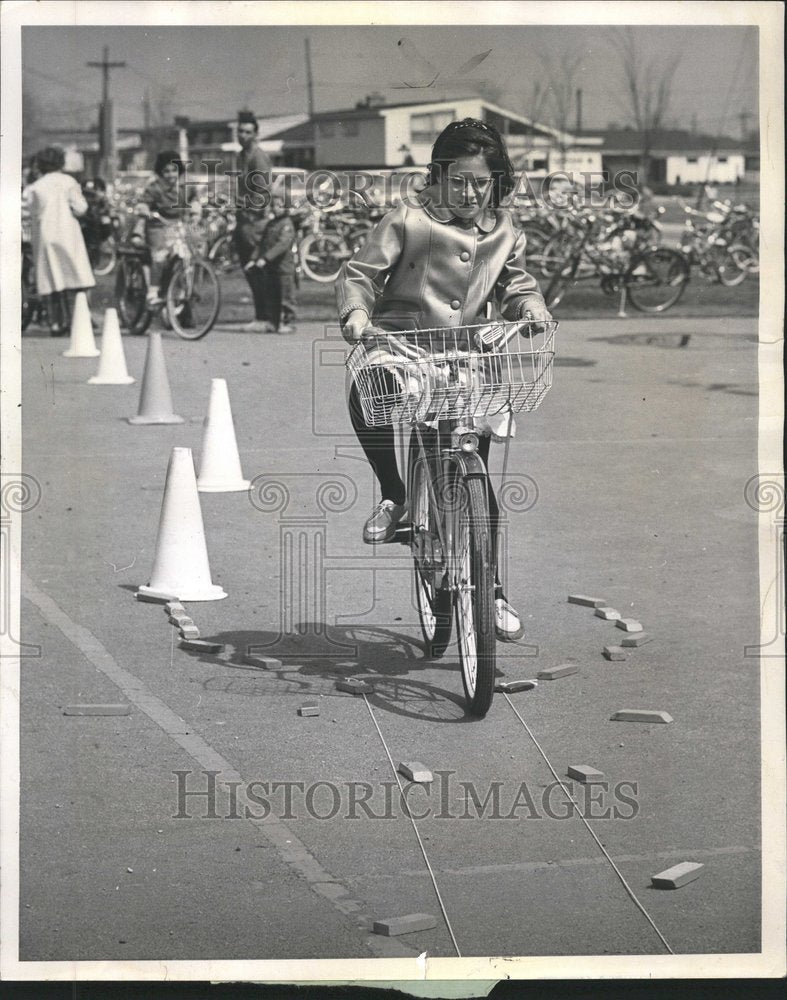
248, 234
278, 290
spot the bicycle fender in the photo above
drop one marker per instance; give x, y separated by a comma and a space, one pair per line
470, 466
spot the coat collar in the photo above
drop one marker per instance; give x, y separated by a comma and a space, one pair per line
441, 213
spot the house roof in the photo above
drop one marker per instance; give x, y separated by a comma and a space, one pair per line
629, 140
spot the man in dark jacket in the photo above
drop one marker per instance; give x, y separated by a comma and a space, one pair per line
251, 211
273, 261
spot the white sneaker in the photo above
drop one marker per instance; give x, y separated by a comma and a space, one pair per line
508, 624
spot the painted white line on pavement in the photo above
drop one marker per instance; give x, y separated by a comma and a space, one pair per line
292, 850
557, 864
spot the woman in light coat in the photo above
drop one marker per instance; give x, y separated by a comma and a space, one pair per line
54, 203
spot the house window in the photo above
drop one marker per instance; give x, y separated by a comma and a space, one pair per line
691, 159
350, 128
425, 128
326, 130
721, 159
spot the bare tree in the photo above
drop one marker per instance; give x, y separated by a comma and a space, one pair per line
647, 89
558, 104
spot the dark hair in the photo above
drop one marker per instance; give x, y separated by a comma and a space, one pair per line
164, 158
248, 118
50, 159
471, 137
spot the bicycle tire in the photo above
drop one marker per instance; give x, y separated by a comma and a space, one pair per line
103, 257
433, 604
131, 289
322, 255
474, 608
223, 254
735, 269
536, 240
559, 285
674, 280
182, 302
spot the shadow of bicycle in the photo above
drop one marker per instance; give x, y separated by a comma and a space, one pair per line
311, 660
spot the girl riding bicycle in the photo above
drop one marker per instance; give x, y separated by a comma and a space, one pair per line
436, 262
163, 205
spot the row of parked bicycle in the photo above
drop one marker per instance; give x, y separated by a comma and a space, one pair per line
624, 251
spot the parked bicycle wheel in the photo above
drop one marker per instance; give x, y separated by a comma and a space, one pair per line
103, 257
736, 265
746, 257
656, 279
322, 255
559, 284
537, 240
131, 289
433, 602
475, 595
193, 298
223, 254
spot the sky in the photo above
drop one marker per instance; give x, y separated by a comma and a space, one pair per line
209, 72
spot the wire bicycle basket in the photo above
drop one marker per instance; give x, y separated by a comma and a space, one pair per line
452, 373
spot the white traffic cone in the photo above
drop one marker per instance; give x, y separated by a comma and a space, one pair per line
155, 398
112, 366
83, 343
220, 470
180, 566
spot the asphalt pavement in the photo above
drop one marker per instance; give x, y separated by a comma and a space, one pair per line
632, 475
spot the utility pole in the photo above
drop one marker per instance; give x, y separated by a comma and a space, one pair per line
146, 109
743, 118
579, 110
309, 84
107, 137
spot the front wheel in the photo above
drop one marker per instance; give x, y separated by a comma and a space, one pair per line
474, 579
322, 255
103, 257
131, 288
432, 599
656, 279
193, 298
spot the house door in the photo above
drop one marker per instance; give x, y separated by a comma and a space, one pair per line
658, 170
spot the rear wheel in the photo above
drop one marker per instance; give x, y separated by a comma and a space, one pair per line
193, 298
475, 596
656, 279
322, 255
223, 254
131, 290
433, 600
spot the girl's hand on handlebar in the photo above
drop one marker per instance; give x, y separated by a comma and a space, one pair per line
354, 326
538, 315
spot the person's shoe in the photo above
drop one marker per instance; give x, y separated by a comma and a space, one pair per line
382, 523
286, 328
508, 624
259, 326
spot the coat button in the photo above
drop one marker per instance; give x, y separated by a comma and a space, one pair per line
464, 255
455, 304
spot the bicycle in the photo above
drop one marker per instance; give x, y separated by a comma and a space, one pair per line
708, 241
653, 276
333, 238
437, 380
190, 287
